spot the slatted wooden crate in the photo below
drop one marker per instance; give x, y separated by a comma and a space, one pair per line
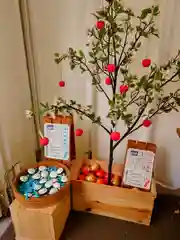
122, 203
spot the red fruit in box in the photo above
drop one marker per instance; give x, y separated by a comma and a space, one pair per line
82, 177
90, 178
106, 175
85, 170
100, 181
100, 173
94, 167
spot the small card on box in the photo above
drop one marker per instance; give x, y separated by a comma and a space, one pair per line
138, 167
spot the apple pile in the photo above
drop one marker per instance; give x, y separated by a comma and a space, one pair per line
94, 173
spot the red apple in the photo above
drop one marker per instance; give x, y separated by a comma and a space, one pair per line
79, 132
115, 136
100, 181
85, 170
61, 83
100, 173
82, 177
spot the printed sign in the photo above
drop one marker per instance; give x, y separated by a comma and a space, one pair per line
59, 141
138, 168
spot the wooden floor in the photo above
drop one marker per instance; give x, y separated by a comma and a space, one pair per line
165, 225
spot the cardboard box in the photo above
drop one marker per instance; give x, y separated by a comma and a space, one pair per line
40, 224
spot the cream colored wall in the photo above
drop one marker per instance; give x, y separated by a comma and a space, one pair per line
56, 25
17, 139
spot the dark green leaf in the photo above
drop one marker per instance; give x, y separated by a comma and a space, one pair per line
156, 10
145, 12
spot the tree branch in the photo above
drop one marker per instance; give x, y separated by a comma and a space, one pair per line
87, 115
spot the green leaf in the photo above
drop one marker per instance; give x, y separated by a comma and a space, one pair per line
81, 53
145, 12
156, 10
102, 13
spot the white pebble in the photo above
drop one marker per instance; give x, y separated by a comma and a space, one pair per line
64, 179
57, 185
53, 190
48, 184
31, 170
24, 178
37, 187
44, 174
60, 170
36, 176
43, 180
53, 174
54, 180
42, 191
42, 168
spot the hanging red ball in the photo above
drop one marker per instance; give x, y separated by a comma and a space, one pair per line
61, 83
100, 24
44, 141
147, 123
79, 132
110, 68
115, 136
108, 81
146, 62
123, 89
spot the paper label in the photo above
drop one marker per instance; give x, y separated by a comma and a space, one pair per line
59, 140
138, 168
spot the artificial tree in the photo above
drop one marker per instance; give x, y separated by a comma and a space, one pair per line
113, 43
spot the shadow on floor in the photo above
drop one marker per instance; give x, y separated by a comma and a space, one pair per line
165, 225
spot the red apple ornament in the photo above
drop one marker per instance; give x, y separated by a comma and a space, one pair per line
100, 24
146, 62
115, 136
111, 68
147, 123
79, 132
61, 83
123, 89
44, 141
108, 81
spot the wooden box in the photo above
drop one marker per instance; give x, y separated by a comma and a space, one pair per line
122, 203
40, 224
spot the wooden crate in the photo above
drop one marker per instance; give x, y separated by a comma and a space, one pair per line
40, 224
122, 203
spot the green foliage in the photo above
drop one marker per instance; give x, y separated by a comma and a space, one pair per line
117, 43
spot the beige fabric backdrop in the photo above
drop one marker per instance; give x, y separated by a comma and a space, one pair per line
17, 138
56, 25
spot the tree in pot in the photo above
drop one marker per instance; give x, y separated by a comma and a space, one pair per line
113, 43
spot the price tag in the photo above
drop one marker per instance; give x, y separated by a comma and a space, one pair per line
59, 141
138, 168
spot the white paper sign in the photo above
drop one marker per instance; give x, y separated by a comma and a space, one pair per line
138, 168
59, 140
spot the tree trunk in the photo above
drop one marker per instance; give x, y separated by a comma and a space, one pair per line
110, 162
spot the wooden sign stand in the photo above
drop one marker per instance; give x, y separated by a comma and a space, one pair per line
138, 145
70, 122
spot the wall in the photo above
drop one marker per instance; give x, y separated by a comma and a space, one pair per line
17, 138
56, 25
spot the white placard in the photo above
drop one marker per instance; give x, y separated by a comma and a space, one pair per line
138, 168
59, 141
